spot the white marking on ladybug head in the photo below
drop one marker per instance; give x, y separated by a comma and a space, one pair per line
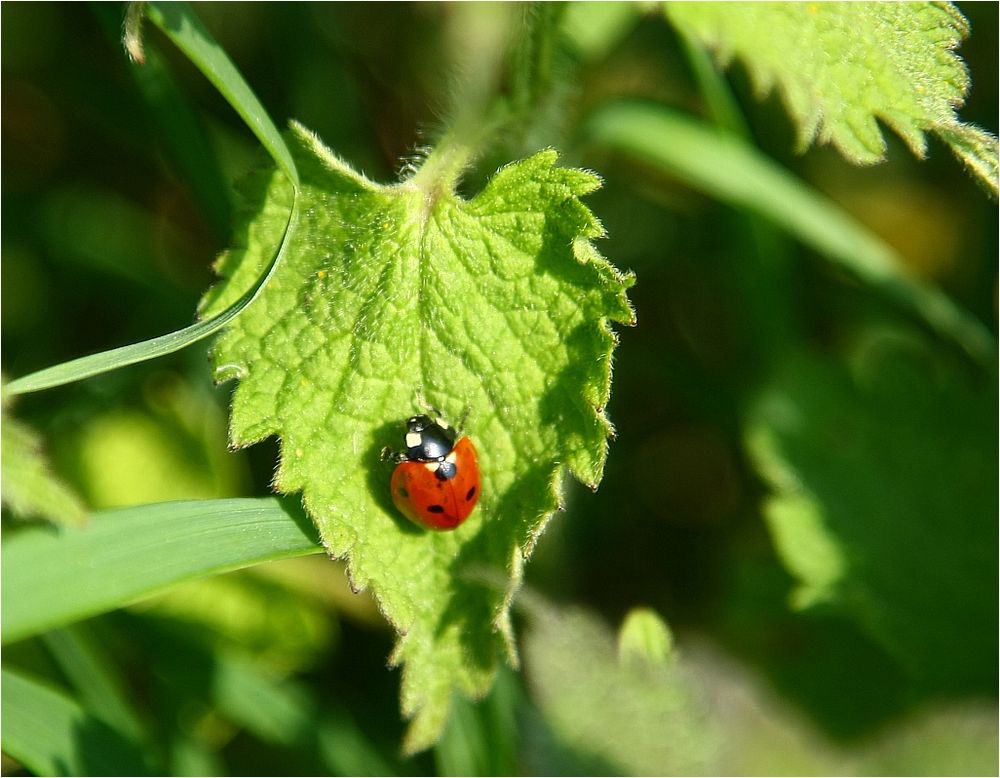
452, 457
432, 466
413, 439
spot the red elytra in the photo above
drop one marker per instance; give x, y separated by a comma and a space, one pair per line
433, 500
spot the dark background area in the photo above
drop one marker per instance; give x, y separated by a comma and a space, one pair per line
108, 240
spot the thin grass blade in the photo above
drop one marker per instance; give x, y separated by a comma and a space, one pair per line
735, 172
180, 24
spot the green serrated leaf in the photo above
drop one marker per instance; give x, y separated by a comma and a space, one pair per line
395, 296
886, 503
843, 67
976, 149
29, 487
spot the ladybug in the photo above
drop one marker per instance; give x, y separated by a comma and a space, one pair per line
436, 480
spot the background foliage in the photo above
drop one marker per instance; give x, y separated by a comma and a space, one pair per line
803, 482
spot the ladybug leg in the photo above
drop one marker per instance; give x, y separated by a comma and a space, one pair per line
388, 455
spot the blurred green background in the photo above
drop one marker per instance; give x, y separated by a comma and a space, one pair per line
755, 364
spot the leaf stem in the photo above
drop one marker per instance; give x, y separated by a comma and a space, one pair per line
459, 147
478, 122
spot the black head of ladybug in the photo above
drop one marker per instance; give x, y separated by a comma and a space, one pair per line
428, 440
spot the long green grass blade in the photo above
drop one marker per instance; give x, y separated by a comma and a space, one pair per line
53, 578
736, 173
51, 734
183, 28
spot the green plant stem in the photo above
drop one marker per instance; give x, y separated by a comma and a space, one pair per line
459, 147
479, 124
531, 71
766, 275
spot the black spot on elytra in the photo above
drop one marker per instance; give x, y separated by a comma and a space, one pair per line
470, 494
401, 491
435, 509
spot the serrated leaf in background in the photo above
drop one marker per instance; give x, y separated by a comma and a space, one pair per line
843, 67
895, 463
738, 173
761, 735
701, 713
976, 149
30, 489
499, 307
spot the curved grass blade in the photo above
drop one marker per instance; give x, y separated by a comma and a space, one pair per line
180, 24
105, 361
54, 578
735, 172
